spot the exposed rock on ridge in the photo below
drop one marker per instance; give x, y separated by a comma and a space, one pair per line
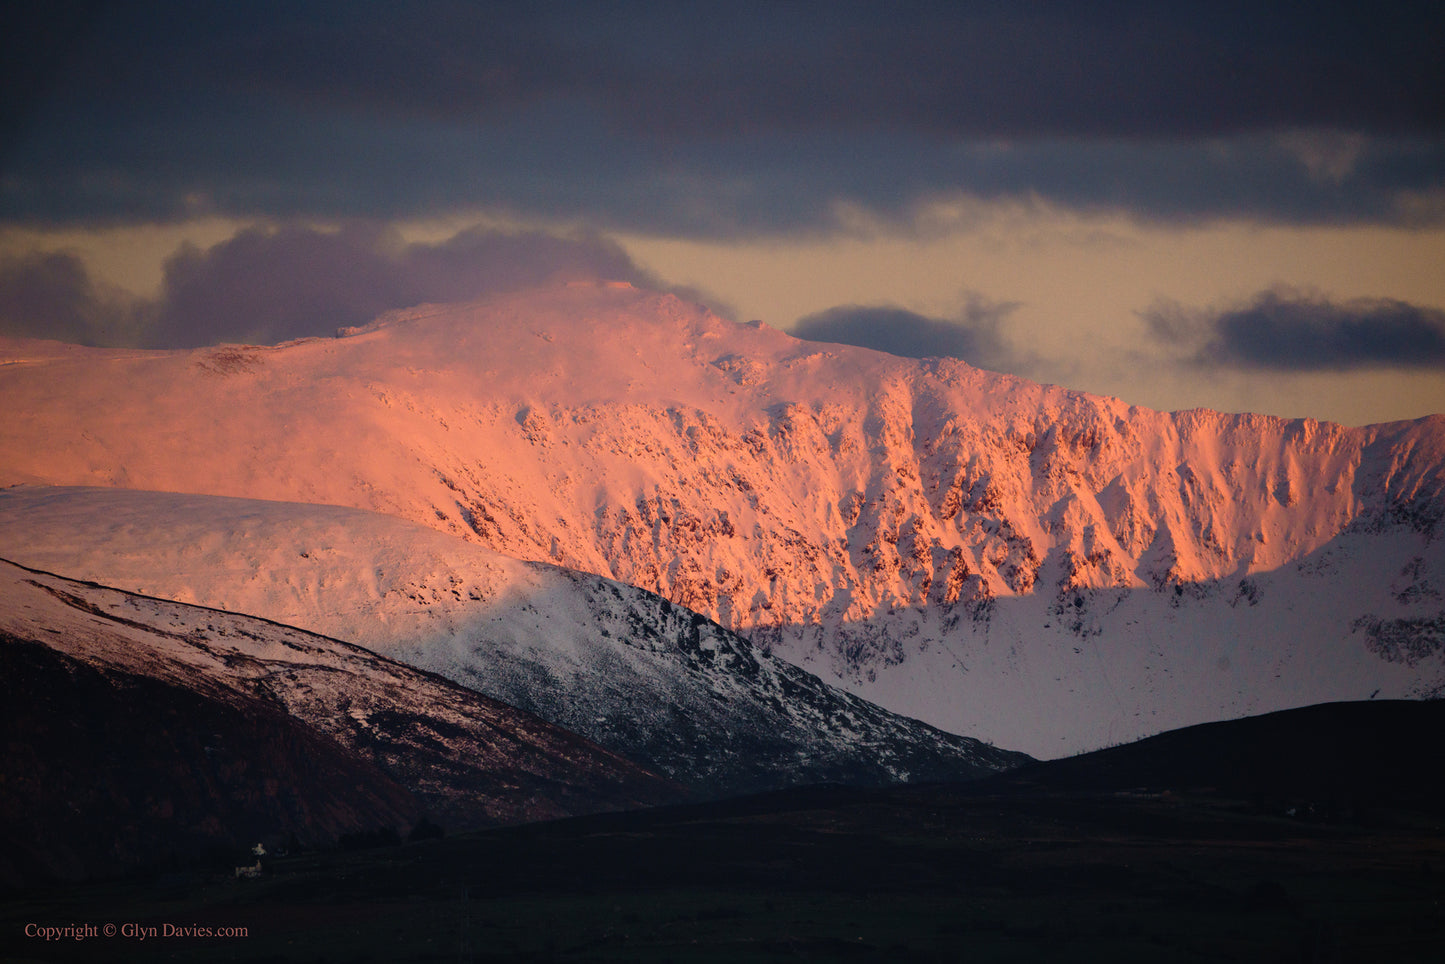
845, 507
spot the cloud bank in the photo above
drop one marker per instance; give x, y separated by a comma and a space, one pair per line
266, 286
975, 335
1128, 68
1286, 330
719, 119
52, 295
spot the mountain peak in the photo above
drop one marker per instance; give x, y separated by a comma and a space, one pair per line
845, 507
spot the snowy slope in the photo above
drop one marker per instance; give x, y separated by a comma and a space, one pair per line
914, 530
239, 719
654, 682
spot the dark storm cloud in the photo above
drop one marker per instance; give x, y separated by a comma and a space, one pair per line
984, 68
1287, 330
270, 286
52, 296
973, 336
712, 118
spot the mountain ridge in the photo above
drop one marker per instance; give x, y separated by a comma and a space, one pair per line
653, 682
848, 510
140, 730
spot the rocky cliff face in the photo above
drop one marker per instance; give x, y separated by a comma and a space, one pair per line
848, 509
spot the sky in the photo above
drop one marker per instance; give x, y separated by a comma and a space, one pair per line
1238, 206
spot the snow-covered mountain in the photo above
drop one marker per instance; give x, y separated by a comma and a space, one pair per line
1045, 569
137, 728
659, 684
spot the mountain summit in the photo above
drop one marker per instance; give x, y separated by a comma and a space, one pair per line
951, 543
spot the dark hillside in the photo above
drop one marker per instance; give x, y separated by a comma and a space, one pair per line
107, 770
998, 870
1333, 755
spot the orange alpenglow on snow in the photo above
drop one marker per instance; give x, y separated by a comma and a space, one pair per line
945, 541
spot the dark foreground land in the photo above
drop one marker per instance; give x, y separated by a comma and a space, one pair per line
1050, 864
